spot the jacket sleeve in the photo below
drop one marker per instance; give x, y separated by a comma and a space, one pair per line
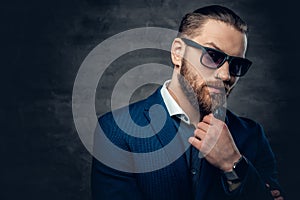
261, 171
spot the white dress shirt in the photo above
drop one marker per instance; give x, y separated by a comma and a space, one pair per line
172, 106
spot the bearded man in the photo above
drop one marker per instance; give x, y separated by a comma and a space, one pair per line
223, 156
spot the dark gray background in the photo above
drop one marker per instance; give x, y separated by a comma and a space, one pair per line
43, 44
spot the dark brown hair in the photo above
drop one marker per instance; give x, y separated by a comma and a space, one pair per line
192, 21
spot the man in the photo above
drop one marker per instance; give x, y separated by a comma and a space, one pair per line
233, 157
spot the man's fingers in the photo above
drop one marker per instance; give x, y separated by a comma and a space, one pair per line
199, 133
275, 193
279, 198
195, 142
208, 119
203, 126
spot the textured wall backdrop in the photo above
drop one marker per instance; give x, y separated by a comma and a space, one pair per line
43, 44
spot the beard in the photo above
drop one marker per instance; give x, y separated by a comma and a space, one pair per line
200, 98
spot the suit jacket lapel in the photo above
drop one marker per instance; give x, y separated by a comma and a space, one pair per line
162, 135
168, 132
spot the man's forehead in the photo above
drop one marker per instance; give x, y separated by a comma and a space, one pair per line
222, 36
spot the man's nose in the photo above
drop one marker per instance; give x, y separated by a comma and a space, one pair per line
222, 72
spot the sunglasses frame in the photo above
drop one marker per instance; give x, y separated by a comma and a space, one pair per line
228, 58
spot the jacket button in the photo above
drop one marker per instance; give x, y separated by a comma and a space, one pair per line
193, 171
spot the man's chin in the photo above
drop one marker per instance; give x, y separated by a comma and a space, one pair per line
216, 101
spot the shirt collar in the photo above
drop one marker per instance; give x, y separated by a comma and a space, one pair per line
172, 106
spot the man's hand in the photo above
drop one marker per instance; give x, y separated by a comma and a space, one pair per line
275, 193
213, 139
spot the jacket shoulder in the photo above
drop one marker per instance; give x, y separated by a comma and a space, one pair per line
243, 122
134, 111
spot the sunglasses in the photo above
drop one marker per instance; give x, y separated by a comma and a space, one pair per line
213, 58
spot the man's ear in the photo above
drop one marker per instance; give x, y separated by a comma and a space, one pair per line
177, 52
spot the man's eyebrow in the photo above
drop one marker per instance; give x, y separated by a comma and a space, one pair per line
213, 45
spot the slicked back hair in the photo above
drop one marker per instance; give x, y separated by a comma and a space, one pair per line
191, 23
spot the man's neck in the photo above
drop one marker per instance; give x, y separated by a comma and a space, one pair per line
181, 99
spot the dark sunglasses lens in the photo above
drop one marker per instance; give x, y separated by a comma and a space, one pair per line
212, 58
239, 66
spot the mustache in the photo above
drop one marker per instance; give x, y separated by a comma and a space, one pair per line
217, 85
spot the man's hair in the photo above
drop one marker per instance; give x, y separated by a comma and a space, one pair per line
195, 20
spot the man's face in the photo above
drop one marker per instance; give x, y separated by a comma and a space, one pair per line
207, 88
